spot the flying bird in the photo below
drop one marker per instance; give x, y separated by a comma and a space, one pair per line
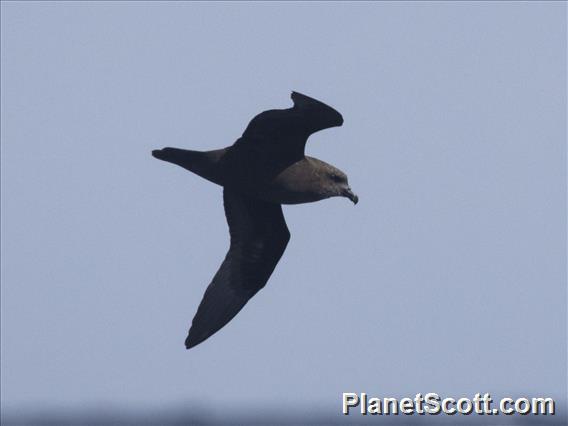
265, 168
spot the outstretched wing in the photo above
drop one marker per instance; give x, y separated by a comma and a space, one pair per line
259, 236
285, 131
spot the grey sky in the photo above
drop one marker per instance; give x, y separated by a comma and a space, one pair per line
448, 276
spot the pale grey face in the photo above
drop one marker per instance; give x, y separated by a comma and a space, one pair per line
340, 184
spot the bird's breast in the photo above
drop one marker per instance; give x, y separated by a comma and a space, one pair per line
296, 184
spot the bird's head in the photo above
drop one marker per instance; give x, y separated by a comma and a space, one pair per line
340, 185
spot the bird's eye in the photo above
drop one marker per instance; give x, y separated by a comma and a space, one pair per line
335, 177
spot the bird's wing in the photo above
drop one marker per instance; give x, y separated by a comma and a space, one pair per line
259, 236
284, 132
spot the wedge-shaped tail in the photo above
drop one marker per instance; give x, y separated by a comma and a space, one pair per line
202, 163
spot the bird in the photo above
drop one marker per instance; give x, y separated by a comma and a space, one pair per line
265, 168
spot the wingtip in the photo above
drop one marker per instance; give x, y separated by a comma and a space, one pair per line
191, 341
189, 345
304, 101
295, 95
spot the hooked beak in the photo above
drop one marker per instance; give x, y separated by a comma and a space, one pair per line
351, 195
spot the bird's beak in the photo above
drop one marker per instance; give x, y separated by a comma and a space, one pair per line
351, 195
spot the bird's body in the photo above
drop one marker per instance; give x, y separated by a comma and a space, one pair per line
296, 183
263, 169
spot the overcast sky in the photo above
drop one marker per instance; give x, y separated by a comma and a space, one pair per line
449, 276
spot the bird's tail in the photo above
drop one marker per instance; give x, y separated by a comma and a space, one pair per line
182, 157
202, 163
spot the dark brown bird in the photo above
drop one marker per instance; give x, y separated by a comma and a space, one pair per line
264, 168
